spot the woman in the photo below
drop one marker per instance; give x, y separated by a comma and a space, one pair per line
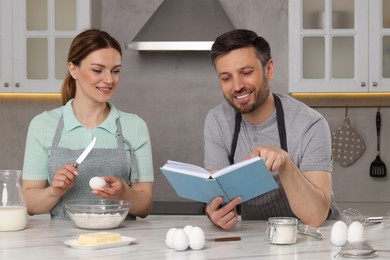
122, 154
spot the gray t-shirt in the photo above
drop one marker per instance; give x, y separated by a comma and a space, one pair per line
308, 142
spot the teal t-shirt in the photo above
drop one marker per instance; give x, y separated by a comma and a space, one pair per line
76, 136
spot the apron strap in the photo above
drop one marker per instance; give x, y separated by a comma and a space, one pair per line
133, 160
58, 132
281, 123
237, 126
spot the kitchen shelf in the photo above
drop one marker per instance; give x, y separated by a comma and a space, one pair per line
344, 99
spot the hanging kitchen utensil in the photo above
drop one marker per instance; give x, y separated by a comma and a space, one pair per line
378, 167
347, 144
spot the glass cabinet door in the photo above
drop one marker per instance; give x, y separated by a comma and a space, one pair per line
386, 39
330, 36
5, 46
379, 46
47, 28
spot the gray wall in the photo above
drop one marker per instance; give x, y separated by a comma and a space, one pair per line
172, 92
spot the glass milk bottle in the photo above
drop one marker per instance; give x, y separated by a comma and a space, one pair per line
13, 211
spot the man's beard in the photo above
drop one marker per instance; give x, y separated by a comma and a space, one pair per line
260, 97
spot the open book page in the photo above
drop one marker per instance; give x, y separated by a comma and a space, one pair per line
186, 168
235, 166
248, 181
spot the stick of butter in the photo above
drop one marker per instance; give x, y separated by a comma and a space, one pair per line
98, 238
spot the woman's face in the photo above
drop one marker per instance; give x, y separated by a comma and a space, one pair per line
98, 75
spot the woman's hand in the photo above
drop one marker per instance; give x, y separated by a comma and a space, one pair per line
63, 180
115, 188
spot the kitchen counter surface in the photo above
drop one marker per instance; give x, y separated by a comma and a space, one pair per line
44, 239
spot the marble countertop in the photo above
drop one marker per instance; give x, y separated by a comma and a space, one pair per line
44, 239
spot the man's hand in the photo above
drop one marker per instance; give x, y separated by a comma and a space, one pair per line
225, 216
273, 157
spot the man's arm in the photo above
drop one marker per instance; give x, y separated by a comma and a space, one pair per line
308, 193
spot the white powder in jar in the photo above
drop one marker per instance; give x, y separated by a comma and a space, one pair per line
282, 230
96, 221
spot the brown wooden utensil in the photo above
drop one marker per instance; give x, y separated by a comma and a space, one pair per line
378, 167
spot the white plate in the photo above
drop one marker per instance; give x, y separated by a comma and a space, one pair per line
124, 242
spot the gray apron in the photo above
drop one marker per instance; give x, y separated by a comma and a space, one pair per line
99, 162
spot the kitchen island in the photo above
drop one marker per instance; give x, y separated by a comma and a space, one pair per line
44, 239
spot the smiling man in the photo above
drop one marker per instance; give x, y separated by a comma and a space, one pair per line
293, 139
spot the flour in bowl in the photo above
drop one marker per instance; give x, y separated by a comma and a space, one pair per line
97, 221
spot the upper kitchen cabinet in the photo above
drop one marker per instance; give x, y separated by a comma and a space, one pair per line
339, 46
35, 36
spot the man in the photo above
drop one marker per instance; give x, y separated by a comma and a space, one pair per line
293, 140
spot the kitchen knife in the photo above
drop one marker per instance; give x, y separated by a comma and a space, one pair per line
85, 153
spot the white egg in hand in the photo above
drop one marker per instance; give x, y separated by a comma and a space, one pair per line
339, 233
355, 232
97, 183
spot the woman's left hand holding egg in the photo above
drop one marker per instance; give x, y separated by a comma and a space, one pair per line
97, 182
114, 188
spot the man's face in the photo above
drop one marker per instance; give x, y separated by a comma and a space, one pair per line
243, 80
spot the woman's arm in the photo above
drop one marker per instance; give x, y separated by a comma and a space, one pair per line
140, 196
41, 198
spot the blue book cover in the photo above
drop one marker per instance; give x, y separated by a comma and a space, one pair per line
247, 179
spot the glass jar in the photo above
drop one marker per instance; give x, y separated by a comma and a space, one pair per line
282, 230
13, 211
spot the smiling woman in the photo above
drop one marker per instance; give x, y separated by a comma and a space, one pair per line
57, 137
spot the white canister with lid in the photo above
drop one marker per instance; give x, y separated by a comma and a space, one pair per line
282, 230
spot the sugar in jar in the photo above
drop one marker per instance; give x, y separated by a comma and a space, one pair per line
282, 230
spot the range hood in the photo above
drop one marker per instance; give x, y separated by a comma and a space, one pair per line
182, 25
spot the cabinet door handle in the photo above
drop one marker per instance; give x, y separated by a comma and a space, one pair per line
6, 84
362, 84
17, 85
374, 84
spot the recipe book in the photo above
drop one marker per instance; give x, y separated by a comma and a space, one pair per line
246, 179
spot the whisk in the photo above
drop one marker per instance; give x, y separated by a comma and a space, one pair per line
349, 215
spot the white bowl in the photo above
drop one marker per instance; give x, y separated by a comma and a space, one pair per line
97, 214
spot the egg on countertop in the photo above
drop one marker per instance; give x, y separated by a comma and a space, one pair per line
355, 232
190, 236
188, 229
169, 237
97, 183
180, 240
339, 233
196, 238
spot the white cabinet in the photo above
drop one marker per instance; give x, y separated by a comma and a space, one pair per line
339, 46
35, 36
